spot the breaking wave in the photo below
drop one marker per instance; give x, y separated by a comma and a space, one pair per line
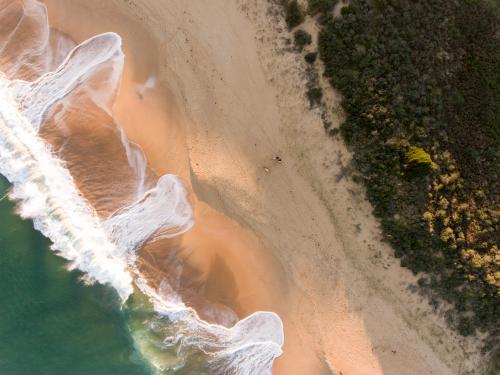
90, 191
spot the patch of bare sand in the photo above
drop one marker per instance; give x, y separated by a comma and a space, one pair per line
301, 240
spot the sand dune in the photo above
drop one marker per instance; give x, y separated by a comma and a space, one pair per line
296, 237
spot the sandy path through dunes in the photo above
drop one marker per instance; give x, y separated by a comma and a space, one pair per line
317, 260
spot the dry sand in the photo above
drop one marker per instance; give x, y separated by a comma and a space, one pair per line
295, 237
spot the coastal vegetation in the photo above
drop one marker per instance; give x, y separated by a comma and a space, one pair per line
311, 57
314, 94
302, 38
294, 15
420, 82
320, 6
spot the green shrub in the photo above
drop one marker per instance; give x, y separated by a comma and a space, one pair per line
314, 95
311, 57
302, 38
334, 132
320, 6
294, 16
418, 160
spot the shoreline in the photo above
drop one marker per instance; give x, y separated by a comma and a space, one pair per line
237, 109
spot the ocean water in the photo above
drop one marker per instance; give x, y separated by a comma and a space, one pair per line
76, 180
50, 323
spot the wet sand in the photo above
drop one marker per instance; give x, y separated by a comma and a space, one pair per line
295, 237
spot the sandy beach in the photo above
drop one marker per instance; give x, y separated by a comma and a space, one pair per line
212, 92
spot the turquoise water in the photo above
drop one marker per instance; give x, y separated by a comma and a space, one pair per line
50, 322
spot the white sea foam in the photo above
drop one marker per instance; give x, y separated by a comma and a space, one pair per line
248, 348
48, 196
104, 248
142, 88
137, 161
165, 208
35, 98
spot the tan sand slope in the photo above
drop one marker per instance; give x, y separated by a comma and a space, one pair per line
230, 99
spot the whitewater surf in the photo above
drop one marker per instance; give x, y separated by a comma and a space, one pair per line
90, 191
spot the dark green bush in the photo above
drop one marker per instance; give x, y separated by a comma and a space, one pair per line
311, 57
302, 38
294, 16
320, 6
314, 95
334, 132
